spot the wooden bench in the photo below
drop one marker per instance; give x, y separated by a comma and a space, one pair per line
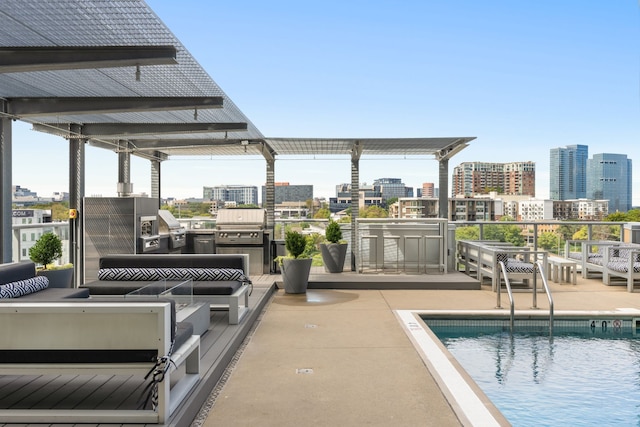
483, 257
85, 337
622, 261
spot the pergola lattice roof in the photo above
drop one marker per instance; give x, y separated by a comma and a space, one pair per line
86, 27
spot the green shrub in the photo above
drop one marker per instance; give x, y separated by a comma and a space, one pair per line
295, 243
333, 233
47, 249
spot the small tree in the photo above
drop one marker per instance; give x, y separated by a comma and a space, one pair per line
295, 243
47, 249
333, 232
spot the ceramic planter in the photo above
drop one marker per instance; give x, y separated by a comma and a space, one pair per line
333, 256
295, 275
62, 278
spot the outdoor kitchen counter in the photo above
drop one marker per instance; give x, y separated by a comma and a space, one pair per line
200, 241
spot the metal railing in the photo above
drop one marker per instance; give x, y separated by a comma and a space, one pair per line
502, 271
25, 236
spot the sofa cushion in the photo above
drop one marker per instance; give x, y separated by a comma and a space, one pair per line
56, 294
23, 287
16, 271
158, 273
172, 260
623, 266
118, 287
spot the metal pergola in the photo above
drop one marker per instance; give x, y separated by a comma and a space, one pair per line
112, 75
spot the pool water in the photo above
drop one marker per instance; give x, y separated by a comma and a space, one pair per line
577, 377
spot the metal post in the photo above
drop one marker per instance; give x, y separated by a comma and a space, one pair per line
6, 190
76, 195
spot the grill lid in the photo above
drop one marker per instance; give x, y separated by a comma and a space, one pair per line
168, 222
241, 219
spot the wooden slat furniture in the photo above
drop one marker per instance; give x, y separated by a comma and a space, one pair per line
562, 270
85, 337
622, 261
483, 258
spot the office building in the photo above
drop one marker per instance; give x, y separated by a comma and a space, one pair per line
472, 178
284, 192
392, 188
240, 194
609, 177
568, 172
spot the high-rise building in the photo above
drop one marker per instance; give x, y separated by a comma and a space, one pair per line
240, 194
568, 172
393, 188
609, 178
284, 192
428, 189
516, 178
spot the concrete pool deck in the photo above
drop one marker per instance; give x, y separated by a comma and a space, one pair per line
341, 357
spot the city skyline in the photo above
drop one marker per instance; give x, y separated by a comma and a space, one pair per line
522, 78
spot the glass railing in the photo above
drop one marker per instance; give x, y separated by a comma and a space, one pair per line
26, 235
548, 235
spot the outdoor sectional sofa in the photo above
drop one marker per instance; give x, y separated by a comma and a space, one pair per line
622, 261
62, 340
220, 280
19, 280
590, 258
484, 256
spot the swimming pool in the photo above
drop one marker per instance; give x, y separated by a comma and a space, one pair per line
587, 373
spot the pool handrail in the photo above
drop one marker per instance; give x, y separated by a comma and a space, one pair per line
547, 290
503, 270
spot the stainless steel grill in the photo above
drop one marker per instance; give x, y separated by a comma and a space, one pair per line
240, 226
169, 226
242, 231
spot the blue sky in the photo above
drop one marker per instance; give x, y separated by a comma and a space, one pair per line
522, 77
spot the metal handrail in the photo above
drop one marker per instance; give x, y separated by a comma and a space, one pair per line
503, 270
547, 291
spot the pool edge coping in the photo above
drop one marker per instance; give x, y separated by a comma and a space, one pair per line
470, 404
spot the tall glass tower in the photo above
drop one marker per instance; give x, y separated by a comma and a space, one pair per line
609, 178
568, 172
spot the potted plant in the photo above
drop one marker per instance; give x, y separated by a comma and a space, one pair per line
295, 266
44, 252
334, 252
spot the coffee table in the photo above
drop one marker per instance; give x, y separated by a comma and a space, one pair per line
562, 270
180, 291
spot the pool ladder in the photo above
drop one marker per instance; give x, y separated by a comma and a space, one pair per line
537, 266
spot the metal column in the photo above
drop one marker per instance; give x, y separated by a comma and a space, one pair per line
155, 180
443, 183
356, 152
124, 170
6, 231
76, 196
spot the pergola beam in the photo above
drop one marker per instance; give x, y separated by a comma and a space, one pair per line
155, 144
28, 107
95, 130
47, 58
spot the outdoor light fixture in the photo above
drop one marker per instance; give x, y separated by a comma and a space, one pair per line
137, 73
244, 144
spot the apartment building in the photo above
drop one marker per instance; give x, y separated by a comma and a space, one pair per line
472, 178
